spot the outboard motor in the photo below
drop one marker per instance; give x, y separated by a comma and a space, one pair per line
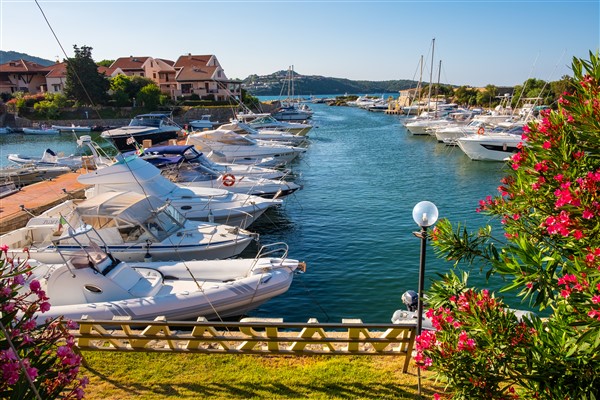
410, 298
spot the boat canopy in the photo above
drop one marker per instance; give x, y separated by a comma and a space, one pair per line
128, 206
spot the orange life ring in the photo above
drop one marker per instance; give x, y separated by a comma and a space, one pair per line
228, 180
481, 130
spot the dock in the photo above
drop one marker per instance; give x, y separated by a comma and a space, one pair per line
18, 208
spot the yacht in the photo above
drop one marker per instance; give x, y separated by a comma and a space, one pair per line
157, 127
491, 146
235, 147
136, 227
195, 203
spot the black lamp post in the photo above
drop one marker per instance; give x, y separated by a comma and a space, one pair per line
425, 214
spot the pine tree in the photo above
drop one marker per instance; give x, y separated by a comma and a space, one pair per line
84, 83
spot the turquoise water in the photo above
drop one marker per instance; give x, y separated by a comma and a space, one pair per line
352, 221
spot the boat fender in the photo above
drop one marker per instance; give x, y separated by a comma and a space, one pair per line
228, 180
481, 130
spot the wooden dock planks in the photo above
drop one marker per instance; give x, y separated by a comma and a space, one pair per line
37, 198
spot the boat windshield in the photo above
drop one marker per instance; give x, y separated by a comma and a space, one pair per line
145, 121
164, 222
264, 120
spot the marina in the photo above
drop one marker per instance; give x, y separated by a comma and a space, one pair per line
351, 222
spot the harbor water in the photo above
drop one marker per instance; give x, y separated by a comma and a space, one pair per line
352, 221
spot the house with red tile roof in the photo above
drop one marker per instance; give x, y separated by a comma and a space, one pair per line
23, 76
157, 69
203, 75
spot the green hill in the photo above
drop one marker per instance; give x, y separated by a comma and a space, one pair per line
6, 56
304, 85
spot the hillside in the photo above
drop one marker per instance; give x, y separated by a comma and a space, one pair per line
271, 85
6, 56
304, 85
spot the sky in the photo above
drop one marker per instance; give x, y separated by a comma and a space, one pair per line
478, 42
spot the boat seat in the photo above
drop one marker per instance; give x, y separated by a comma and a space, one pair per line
134, 282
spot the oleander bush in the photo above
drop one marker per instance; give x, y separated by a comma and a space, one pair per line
549, 255
37, 360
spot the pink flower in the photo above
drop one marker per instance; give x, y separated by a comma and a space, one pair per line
547, 145
34, 286
596, 299
45, 306
587, 214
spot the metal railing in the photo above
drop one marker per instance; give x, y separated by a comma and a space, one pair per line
263, 336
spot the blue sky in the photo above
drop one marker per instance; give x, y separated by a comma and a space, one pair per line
479, 42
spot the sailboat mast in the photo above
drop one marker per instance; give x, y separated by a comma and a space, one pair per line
431, 73
437, 88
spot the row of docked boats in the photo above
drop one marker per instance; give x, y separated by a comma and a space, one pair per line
494, 135
158, 231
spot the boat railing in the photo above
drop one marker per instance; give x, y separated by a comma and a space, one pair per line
259, 336
276, 250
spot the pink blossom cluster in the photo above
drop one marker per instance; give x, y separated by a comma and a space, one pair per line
425, 341
54, 368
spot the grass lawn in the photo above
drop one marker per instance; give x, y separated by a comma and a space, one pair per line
199, 376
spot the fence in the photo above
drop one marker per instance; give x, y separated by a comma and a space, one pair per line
249, 336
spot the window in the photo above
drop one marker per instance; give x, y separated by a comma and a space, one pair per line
186, 88
154, 75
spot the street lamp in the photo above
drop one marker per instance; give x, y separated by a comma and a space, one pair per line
425, 214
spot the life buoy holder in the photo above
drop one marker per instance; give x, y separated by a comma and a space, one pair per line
481, 130
228, 180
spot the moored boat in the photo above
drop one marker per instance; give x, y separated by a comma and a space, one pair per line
98, 285
133, 225
157, 127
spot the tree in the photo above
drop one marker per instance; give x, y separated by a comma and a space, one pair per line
465, 95
488, 96
83, 82
549, 208
105, 63
129, 85
149, 96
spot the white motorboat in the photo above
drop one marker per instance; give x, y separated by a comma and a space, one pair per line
421, 126
72, 128
7, 187
195, 203
266, 121
238, 147
269, 135
203, 123
490, 146
292, 112
23, 175
42, 130
51, 159
449, 133
187, 154
133, 225
99, 286
48, 158
157, 127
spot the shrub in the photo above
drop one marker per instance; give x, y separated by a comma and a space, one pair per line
550, 255
36, 360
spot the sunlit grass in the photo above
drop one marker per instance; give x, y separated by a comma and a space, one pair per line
195, 376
